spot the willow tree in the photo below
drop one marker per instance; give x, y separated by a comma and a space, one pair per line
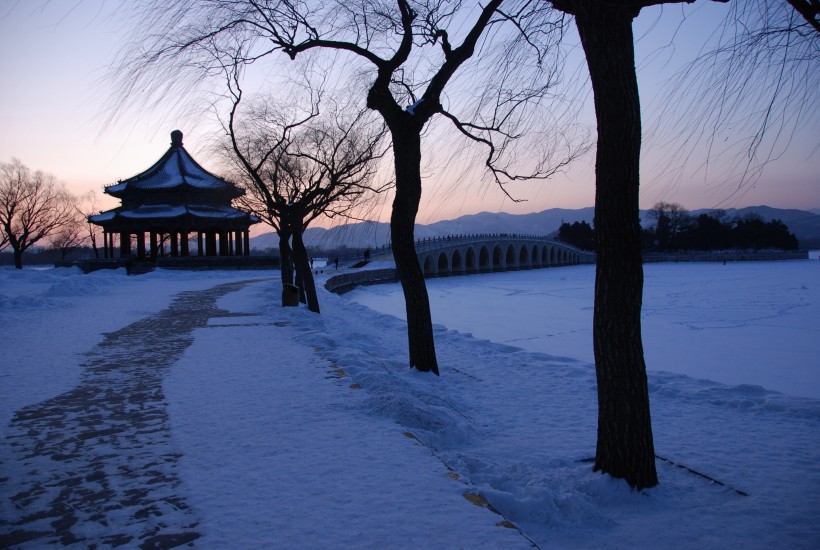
408, 51
764, 40
300, 167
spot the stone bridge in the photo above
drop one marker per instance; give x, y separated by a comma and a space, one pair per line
467, 254
483, 253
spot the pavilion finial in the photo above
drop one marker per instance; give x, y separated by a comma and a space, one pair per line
176, 138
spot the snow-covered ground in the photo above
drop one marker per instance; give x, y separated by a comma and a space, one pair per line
305, 431
739, 323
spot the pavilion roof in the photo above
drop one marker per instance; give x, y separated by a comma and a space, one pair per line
176, 168
168, 211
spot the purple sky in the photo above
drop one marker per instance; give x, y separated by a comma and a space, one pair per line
54, 62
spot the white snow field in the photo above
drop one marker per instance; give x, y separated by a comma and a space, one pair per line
299, 430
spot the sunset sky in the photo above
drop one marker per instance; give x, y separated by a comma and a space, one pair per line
55, 58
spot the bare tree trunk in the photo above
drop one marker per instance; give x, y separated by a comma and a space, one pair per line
625, 446
93, 240
302, 263
407, 155
18, 258
285, 258
285, 262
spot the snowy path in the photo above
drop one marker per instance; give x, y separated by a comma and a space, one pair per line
286, 429
97, 465
282, 451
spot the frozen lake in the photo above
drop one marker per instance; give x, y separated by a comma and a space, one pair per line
754, 323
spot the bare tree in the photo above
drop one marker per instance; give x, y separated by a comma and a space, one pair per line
625, 445
71, 234
741, 103
32, 207
87, 206
299, 168
410, 51
671, 219
809, 10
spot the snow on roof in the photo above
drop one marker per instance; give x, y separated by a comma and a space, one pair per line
173, 211
102, 216
155, 211
216, 212
175, 168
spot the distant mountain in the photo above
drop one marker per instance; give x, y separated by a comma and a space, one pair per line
804, 224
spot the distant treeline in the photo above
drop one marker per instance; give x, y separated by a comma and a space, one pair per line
48, 256
44, 256
676, 230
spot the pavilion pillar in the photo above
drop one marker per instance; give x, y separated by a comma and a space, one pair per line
153, 237
247, 237
239, 240
223, 244
141, 245
199, 250
210, 243
174, 243
184, 242
125, 245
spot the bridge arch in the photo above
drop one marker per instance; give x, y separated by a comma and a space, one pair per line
523, 257
427, 266
457, 255
443, 266
470, 261
498, 258
485, 261
456, 264
510, 259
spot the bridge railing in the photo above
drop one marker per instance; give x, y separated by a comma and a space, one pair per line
433, 243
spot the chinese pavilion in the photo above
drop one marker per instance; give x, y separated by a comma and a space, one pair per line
169, 202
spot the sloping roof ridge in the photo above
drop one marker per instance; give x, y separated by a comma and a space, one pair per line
148, 172
181, 163
195, 163
184, 167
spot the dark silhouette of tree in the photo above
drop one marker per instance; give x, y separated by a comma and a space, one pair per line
71, 234
672, 219
578, 234
625, 446
87, 206
810, 10
32, 207
752, 232
300, 168
409, 51
708, 232
663, 233
714, 231
743, 101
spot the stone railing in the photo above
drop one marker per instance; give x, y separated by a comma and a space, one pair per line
339, 284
